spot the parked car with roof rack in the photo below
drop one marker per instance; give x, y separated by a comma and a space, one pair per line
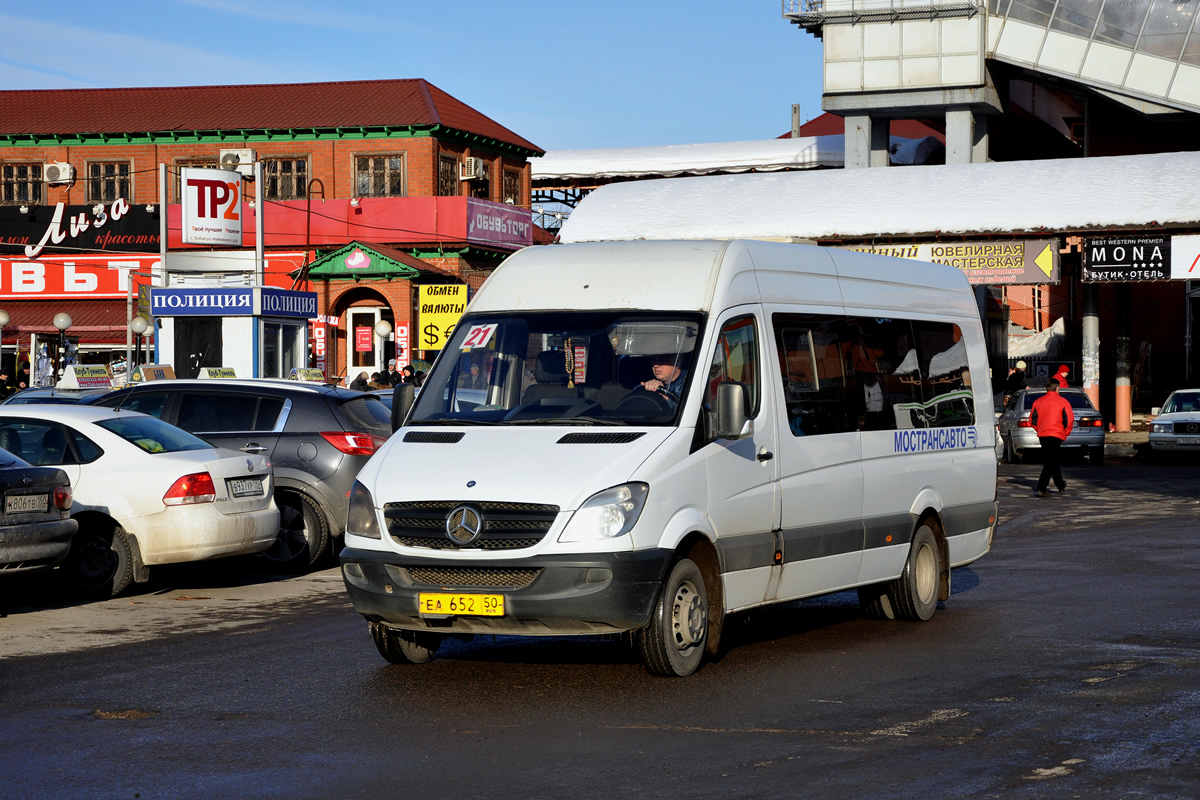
36, 528
316, 436
1020, 438
144, 492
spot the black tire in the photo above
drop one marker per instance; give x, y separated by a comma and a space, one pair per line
673, 643
914, 595
874, 601
100, 564
1096, 455
1011, 454
303, 533
404, 647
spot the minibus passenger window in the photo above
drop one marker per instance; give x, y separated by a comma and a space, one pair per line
813, 362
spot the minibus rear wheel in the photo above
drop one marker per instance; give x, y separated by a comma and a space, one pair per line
914, 595
404, 647
672, 644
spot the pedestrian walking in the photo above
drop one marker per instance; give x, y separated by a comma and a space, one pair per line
1061, 376
1053, 420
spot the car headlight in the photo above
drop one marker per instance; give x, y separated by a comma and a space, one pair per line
607, 514
1160, 427
361, 519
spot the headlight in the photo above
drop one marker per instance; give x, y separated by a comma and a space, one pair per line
1160, 427
604, 515
361, 519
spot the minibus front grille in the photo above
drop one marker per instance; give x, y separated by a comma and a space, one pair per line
506, 526
472, 577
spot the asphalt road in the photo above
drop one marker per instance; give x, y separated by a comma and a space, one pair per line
1066, 664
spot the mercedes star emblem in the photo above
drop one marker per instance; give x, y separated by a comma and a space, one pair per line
464, 524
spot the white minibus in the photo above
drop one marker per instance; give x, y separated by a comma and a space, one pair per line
660, 434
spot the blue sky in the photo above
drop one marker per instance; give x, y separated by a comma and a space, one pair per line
566, 75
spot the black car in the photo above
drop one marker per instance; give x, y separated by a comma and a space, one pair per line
35, 526
48, 394
317, 437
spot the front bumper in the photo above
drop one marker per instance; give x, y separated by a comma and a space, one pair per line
1170, 442
561, 595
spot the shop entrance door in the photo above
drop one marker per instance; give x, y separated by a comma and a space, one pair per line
197, 344
364, 350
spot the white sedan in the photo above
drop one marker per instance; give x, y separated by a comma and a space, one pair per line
1176, 426
145, 492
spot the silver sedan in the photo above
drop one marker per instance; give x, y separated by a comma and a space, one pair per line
1019, 437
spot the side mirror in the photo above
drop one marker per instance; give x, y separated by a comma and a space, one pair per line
1154, 412
402, 400
731, 420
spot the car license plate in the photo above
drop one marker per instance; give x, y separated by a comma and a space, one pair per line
26, 503
246, 487
472, 605
1192, 442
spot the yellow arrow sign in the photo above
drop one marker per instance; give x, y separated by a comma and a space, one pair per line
1045, 260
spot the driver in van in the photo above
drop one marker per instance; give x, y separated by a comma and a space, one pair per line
668, 378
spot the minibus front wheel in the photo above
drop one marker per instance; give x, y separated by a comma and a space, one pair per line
404, 647
673, 643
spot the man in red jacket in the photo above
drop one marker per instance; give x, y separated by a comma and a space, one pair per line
1053, 420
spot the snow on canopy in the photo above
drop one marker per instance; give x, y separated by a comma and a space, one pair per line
676, 159
1008, 197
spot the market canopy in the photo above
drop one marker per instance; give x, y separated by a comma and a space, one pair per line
358, 261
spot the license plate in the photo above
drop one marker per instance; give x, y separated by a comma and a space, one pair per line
472, 605
1189, 441
26, 503
245, 487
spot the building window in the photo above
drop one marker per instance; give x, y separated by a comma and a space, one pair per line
22, 183
379, 176
448, 182
482, 188
512, 187
191, 163
108, 181
285, 178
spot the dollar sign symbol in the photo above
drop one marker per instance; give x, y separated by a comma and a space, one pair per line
431, 334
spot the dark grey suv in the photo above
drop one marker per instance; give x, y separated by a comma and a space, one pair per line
317, 437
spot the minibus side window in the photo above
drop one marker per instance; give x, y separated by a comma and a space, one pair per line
813, 357
736, 359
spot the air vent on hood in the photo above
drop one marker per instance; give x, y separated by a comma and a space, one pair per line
600, 438
433, 437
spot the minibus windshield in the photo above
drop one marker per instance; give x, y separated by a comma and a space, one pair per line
562, 368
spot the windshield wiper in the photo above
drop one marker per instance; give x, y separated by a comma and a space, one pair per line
563, 421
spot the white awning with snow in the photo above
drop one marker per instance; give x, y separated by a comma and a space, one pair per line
1009, 197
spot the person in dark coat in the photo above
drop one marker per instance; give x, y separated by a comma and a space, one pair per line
1016, 380
1053, 419
360, 383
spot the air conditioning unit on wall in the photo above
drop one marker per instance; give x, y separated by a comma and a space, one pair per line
473, 169
240, 160
58, 172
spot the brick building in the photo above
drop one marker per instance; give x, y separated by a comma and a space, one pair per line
397, 167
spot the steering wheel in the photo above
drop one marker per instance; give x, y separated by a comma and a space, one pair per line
644, 402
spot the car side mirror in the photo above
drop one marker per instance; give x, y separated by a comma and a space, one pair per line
731, 419
1154, 412
402, 400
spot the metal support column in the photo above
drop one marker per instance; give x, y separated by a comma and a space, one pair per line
1091, 342
1124, 368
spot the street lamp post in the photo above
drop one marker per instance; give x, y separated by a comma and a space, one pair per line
62, 321
383, 329
4, 322
138, 325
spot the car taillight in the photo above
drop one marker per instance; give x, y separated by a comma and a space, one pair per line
352, 443
196, 488
62, 497
1025, 423
1094, 422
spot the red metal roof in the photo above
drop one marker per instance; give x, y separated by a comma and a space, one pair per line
833, 125
254, 107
